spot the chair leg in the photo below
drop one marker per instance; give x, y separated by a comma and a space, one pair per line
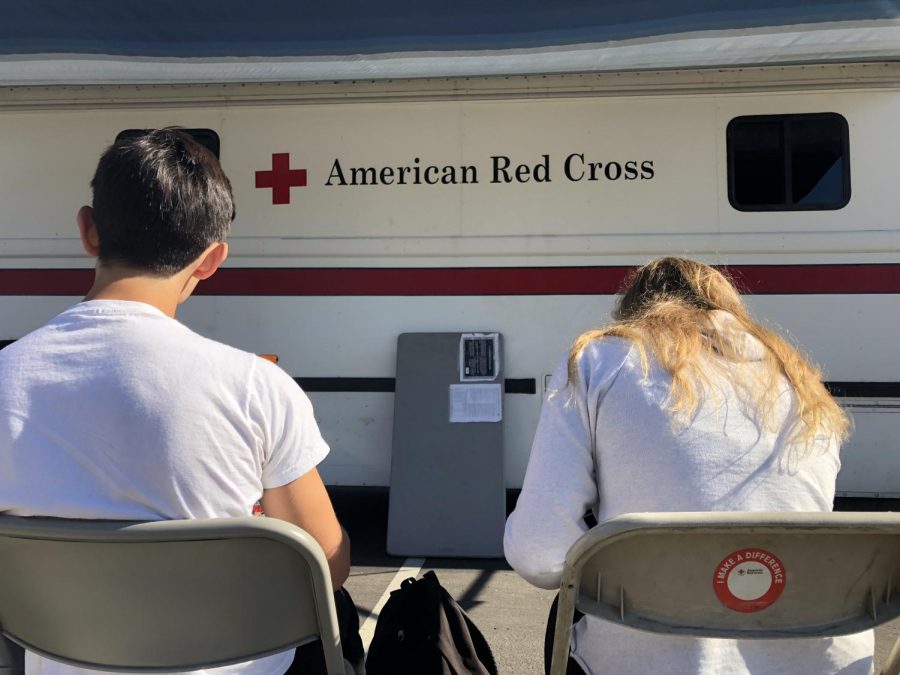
573, 667
562, 634
12, 658
892, 667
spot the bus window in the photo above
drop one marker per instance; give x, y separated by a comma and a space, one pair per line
208, 138
788, 162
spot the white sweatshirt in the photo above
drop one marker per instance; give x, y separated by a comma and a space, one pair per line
608, 443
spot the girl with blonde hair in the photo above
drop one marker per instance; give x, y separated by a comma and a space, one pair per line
683, 403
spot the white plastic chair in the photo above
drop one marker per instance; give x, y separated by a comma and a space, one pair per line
163, 596
735, 575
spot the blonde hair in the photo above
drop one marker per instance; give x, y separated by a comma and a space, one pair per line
669, 306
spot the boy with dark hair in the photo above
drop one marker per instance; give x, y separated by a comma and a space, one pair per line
115, 410
159, 201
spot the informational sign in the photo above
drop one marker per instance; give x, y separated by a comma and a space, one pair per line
749, 580
476, 403
479, 357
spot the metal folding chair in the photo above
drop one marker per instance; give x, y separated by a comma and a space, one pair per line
163, 596
735, 575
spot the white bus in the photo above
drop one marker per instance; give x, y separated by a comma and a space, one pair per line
505, 190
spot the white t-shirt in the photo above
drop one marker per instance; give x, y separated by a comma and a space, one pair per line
114, 410
612, 448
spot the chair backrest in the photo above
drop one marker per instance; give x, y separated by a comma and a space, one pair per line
734, 575
164, 596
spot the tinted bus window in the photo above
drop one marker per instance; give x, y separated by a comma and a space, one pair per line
788, 162
208, 138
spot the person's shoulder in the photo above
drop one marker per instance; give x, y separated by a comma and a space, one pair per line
221, 350
274, 388
227, 358
597, 363
270, 372
609, 351
178, 345
11, 352
32, 342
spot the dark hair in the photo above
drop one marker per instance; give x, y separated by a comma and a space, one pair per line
160, 200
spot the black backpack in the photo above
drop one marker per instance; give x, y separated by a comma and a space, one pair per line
423, 631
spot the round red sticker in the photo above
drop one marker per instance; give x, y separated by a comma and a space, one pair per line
749, 580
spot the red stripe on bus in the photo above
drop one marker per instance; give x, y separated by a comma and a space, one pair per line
753, 279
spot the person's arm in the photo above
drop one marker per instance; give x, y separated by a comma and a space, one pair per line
560, 482
559, 486
290, 446
305, 503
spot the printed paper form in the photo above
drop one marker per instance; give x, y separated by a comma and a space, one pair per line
476, 403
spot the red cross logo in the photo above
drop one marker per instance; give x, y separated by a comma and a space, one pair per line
281, 178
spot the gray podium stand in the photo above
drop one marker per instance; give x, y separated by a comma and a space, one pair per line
447, 496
